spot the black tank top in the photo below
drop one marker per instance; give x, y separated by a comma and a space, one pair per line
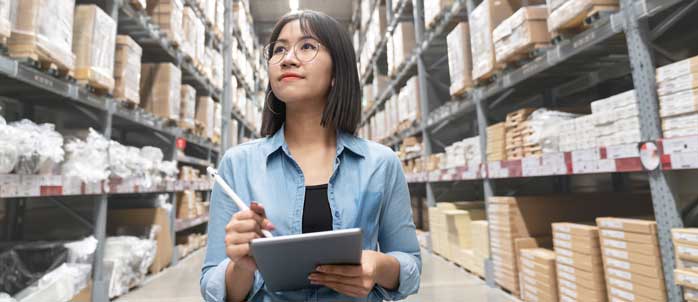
317, 215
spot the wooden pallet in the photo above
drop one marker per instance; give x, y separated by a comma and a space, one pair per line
137, 4
27, 47
96, 81
517, 117
462, 91
581, 22
524, 55
128, 103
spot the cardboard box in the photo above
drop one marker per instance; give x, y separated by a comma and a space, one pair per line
168, 15
521, 33
127, 69
677, 69
679, 103
628, 225
460, 63
147, 217
595, 282
432, 10
571, 14
43, 27
483, 20
687, 121
629, 296
578, 293
188, 107
583, 246
681, 83
685, 235
94, 35
634, 268
632, 256
403, 42
583, 262
629, 237
204, 115
160, 89
656, 283
638, 290
640, 248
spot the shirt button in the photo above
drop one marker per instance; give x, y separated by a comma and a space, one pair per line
336, 214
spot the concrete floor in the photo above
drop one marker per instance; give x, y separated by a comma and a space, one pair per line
441, 281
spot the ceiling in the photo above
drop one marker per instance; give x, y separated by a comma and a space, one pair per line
266, 12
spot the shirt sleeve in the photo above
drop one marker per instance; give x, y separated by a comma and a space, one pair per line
397, 235
212, 280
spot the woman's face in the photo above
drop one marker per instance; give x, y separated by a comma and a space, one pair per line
293, 80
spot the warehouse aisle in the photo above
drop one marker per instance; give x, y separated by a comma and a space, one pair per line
441, 281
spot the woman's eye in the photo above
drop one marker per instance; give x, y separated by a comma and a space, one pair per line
279, 49
308, 46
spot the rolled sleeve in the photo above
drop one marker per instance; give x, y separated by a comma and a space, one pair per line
397, 236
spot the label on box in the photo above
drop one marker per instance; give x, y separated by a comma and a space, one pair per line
567, 276
618, 263
564, 298
585, 155
620, 283
615, 253
528, 263
684, 250
530, 273
684, 160
613, 234
619, 273
605, 165
680, 145
615, 243
622, 294
562, 243
568, 284
562, 236
568, 292
564, 252
686, 237
687, 278
566, 269
565, 260
622, 151
690, 293
562, 228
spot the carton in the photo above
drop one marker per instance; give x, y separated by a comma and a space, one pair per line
147, 217
460, 64
160, 89
521, 33
571, 13
677, 69
403, 43
432, 9
127, 69
168, 15
205, 115
628, 225
483, 20
187, 108
94, 35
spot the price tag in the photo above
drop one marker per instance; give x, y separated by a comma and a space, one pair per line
585, 155
606, 165
622, 151
684, 160
680, 145
554, 163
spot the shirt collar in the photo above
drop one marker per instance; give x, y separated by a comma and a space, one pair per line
344, 141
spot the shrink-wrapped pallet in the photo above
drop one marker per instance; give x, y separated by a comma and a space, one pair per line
483, 20
167, 14
460, 62
127, 69
204, 115
187, 108
160, 89
94, 35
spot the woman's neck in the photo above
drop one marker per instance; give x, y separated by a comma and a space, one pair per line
302, 128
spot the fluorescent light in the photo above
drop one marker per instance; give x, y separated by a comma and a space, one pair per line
293, 4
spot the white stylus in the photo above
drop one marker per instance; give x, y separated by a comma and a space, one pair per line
232, 195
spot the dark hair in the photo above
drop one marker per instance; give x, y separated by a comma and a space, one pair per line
343, 109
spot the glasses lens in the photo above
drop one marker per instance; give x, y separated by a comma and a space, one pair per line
307, 49
274, 52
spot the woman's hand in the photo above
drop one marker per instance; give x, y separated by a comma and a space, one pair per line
352, 280
241, 230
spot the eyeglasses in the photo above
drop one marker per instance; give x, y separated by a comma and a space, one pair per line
305, 51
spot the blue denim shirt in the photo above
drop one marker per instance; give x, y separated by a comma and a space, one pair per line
366, 190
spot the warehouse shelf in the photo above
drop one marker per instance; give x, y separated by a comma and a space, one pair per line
184, 224
185, 159
405, 71
22, 186
249, 89
679, 153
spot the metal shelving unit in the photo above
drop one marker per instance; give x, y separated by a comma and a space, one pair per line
22, 81
617, 50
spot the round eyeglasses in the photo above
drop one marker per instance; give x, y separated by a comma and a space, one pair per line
305, 50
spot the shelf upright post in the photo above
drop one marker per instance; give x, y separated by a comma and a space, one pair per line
172, 196
388, 11
418, 15
228, 72
663, 190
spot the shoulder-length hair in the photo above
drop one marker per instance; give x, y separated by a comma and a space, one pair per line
343, 109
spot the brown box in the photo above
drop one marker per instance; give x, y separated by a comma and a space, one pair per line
483, 19
634, 268
160, 89
205, 115
460, 63
687, 235
686, 278
43, 31
94, 35
651, 282
147, 217
584, 245
187, 107
628, 225
127, 69
570, 15
524, 31
167, 14
580, 293
186, 201
403, 41
592, 282
640, 248
632, 256
637, 290
629, 237
588, 263
614, 291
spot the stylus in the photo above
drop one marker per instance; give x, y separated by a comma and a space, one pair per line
241, 205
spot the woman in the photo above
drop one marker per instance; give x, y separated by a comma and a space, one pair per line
312, 174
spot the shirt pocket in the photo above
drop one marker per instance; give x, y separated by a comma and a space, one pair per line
367, 208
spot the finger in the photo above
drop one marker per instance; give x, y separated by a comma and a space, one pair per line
350, 281
237, 251
344, 289
244, 226
249, 214
259, 210
241, 238
342, 270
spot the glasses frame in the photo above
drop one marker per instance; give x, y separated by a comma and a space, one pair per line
268, 57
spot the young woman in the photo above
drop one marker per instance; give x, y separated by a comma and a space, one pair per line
312, 174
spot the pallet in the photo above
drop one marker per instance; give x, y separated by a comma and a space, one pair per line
128, 103
462, 91
96, 82
137, 4
25, 47
491, 75
524, 55
581, 22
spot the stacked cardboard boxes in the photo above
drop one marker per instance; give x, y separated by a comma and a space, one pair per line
579, 263
686, 272
462, 153
205, 116
569, 15
400, 46
432, 9
408, 104
616, 120
521, 33
516, 131
187, 111
481, 246
460, 62
538, 279
439, 225
94, 35
190, 205
483, 19
496, 142
631, 259
43, 30
127, 70
167, 14
677, 87
459, 229
160, 89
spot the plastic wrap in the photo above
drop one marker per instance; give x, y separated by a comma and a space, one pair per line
81, 251
546, 133
189, 32
126, 262
94, 35
152, 157
61, 284
460, 63
484, 18
403, 42
188, 107
24, 264
9, 155
127, 69
44, 28
39, 147
160, 89
5, 21
220, 16
432, 9
568, 14
216, 69
169, 169
518, 33
87, 159
167, 14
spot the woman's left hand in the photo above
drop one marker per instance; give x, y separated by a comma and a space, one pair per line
352, 280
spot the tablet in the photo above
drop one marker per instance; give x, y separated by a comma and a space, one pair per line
286, 261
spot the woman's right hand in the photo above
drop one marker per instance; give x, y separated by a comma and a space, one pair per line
241, 230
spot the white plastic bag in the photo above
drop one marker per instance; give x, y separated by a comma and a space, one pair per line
39, 147
87, 159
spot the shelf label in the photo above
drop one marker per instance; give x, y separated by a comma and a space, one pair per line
680, 145
585, 155
622, 151
684, 160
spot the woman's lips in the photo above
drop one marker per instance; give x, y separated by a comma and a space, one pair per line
290, 78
